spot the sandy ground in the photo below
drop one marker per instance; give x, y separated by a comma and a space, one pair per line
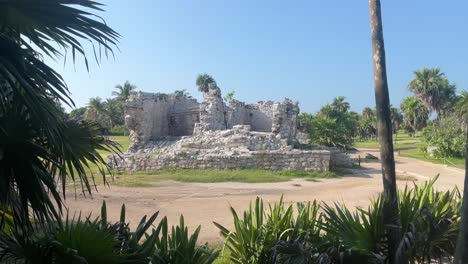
203, 203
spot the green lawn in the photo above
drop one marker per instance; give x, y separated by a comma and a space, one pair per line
208, 175
402, 142
408, 146
124, 142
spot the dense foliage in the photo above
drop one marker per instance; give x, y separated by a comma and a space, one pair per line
415, 114
336, 234
444, 139
367, 127
109, 113
41, 147
333, 126
433, 88
86, 240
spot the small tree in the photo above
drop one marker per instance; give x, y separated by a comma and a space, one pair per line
432, 87
415, 114
203, 81
123, 91
334, 125
328, 131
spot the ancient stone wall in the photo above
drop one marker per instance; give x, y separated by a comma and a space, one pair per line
261, 116
318, 160
212, 111
151, 116
175, 131
276, 117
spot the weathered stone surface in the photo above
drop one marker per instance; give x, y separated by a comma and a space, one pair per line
270, 160
152, 116
175, 131
340, 159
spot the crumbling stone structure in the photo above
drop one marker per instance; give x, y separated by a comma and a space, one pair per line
175, 131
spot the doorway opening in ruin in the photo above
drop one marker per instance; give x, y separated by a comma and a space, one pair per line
260, 121
182, 124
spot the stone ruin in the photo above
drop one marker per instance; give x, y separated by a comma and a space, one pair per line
175, 131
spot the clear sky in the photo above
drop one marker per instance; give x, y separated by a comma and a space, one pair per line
309, 50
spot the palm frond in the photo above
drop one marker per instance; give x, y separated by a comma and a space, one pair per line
78, 151
25, 24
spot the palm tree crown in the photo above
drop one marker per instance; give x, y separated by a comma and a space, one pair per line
96, 107
203, 81
340, 105
415, 113
433, 88
124, 90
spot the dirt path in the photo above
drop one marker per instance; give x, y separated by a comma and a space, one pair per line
202, 203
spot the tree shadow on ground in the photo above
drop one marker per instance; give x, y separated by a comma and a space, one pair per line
359, 172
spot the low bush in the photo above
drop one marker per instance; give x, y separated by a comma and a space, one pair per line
259, 230
82, 240
446, 137
120, 130
274, 233
337, 234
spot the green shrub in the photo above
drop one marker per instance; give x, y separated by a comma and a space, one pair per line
447, 137
120, 130
256, 234
434, 217
354, 237
333, 126
78, 240
337, 234
177, 246
331, 132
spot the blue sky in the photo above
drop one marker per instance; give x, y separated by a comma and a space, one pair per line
310, 51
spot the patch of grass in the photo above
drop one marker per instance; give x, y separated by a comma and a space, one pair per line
454, 162
402, 142
408, 146
148, 178
124, 142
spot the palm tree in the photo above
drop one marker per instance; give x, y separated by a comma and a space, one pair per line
415, 114
397, 119
38, 144
384, 124
368, 113
340, 105
124, 90
461, 254
433, 88
203, 81
115, 111
96, 109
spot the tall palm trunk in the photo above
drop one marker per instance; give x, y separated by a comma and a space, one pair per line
461, 253
384, 127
